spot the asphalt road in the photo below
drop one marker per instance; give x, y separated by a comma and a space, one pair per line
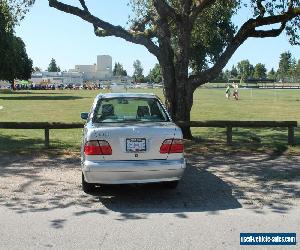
81, 228
42, 205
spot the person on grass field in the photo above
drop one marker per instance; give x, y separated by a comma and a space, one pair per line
227, 91
235, 91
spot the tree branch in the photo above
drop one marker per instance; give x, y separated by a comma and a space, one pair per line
269, 33
140, 25
164, 9
199, 6
103, 28
286, 16
261, 8
290, 5
82, 2
247, 30
186, 7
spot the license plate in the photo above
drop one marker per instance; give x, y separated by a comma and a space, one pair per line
136, 145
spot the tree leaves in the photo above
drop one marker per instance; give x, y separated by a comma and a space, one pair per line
17, 9
14, 61
53, 67
138, 71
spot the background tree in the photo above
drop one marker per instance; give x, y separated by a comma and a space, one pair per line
272, 74
14, 61
221, 78
119, 70
233, 72
138, 71
227, 75
53, 66
298, 69
155, 74
245, 70
285, 62
260, 71
168, 28
23, 64
292, 72
36, 69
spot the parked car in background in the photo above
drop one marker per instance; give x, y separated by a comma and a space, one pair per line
130, 138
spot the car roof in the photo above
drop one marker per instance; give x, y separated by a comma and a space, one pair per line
132, 95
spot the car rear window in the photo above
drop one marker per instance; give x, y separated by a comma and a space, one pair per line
129, 109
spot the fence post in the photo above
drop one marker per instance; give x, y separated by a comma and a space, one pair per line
229, 135
47, 140
291, 135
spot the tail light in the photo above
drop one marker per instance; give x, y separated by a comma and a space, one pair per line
177, 146
97, 148
172, 146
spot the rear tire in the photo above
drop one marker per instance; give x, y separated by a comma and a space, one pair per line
170, 184
87, 187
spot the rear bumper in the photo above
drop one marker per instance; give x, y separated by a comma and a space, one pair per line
125, 172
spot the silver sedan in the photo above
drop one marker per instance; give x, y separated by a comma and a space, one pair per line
130, 138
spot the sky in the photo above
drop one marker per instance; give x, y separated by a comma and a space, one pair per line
49, 33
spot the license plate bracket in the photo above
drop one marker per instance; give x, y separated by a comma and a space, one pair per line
134, 145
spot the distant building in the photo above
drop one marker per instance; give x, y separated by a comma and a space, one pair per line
102, 71
97, 72
57, 78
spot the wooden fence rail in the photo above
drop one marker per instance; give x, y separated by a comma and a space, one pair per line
290, 125
40, 125
46, 126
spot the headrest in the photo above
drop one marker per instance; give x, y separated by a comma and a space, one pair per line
143, 111
107, 110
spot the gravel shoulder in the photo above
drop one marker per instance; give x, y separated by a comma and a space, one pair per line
211, 183
42, 205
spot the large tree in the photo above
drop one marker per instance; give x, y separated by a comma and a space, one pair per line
168, 29
14, 61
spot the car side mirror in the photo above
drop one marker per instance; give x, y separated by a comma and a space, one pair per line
84, 116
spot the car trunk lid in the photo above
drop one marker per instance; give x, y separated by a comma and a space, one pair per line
133, 141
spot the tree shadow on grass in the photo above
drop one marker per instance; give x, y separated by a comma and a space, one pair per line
41, 98
275, 140
272, 141
32, 147
34, 92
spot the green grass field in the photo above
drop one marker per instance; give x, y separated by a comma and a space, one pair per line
209, 104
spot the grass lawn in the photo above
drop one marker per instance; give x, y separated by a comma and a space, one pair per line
209, 104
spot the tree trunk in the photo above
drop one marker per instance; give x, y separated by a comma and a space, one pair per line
184, 91
178, 92
184, 103
179, 98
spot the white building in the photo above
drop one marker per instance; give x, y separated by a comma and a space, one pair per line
97, 72
57, 78
102, 71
